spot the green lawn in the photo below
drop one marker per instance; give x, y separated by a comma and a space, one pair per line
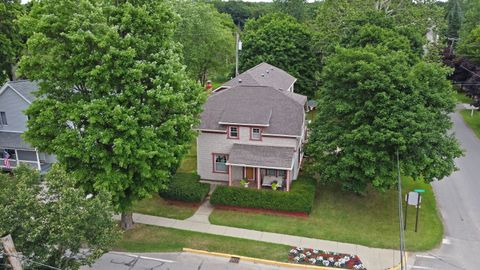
472, 121
145, 238
157, 206
462, 98
345, 217
189, 161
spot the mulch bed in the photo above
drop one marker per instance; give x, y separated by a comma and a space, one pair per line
325, 258
262, 211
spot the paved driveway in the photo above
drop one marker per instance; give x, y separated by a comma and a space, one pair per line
458, 198
178, 261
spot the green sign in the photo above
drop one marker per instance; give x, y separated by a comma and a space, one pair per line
419, 190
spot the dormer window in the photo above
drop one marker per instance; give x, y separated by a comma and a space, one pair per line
255, 134
233, 132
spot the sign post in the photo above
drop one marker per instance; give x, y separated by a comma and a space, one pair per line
413, 198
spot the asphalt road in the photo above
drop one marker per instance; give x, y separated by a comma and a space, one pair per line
172, 261
458, 198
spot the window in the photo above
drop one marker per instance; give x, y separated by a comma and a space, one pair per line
3, 119
219, 164
255, 134
233, 132
271, 172
281, 173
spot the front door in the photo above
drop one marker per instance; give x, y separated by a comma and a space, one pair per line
250, 173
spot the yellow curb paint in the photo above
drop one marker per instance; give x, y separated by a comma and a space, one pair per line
256, 260
397, 267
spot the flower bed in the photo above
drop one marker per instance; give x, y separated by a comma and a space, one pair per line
325, 258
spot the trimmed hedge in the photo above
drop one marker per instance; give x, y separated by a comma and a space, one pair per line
185, 187
300, 198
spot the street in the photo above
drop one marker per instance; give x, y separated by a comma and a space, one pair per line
458, 198
172, 261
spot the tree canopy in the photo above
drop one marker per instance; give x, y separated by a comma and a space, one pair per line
11, 42
283, 42
294, 8
117, 106
207, 38
373, 102
52, 221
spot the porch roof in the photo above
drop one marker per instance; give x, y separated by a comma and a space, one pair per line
12, 140
260, 156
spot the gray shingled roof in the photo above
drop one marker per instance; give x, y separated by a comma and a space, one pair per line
264, 74
25, 87
12, 140
261, 156
253, 104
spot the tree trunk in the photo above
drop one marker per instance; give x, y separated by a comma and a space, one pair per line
127, 220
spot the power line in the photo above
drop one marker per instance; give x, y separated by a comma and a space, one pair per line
24, 258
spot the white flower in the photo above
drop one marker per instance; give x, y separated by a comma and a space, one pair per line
293, 251
296, 259
326, 263
299, 249
336, 264
331, 259
312, 261
315, 251
320, 258
302, 256
89, 196
308, 253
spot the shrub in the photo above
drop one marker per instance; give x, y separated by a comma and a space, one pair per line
185, 187
300, 198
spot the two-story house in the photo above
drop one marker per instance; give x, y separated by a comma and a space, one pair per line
253, 128
15, 97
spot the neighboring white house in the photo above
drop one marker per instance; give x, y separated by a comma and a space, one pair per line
253, 127
15, 97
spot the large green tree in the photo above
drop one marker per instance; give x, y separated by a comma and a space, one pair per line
208, 40
471, 18
294, 8
373, 102
454, 16
470, 45
283, 42
11, 42
337, 18
52, 221
117, 106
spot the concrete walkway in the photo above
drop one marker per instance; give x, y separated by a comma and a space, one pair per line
373, 258
204, 211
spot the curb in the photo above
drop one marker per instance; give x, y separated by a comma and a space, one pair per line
397, 267
256, 260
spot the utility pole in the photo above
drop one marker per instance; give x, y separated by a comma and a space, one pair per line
400, 214
237, 40
11, 253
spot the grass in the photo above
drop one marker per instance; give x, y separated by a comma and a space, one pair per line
156, 206
472, 121
462, 98
189, 161
341, 216
145, 238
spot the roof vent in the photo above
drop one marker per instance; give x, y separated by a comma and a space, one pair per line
263, 75
239, 80
268, 71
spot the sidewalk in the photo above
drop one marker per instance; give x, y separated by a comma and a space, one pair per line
373, 258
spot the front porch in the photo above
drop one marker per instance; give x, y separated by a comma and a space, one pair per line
259, 178
261, 166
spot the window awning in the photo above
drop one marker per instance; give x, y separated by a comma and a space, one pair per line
260, 156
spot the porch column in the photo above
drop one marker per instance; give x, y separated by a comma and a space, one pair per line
258, 178
17, 163
38, 161
229, 175
288, 180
